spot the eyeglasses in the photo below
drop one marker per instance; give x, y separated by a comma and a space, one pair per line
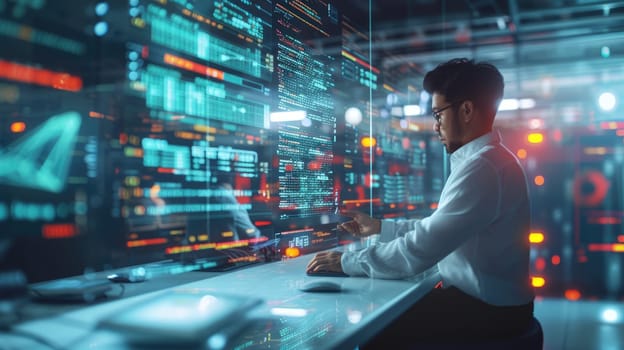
437, 115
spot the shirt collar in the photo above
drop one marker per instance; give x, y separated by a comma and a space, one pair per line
469, 149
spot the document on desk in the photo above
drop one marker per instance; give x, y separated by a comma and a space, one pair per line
181, 317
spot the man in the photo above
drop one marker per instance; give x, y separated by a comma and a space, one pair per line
477, 236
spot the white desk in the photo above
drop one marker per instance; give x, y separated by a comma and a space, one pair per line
317, 321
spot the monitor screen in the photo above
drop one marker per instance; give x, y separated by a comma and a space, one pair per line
219, 132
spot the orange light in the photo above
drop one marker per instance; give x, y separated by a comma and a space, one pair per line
535, 137
536, 237
522, 153
572, 294
369, 141
539, 180
145, 242
191, 66
361, 201
292, 252
18, 127
555, 260
538, 282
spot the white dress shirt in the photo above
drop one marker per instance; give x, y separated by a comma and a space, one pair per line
478, 235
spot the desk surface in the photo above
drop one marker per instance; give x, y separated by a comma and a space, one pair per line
288, 318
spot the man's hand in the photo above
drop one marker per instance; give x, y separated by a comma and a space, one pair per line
362, 225
325, 261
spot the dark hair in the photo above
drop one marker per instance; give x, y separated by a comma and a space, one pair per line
463, 79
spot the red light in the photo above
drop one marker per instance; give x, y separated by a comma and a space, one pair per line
38, 76
591, 179
540, 264
572, 294
605, 220
606, 247
261, 223
53, 231
557, 135
555, 260
620, 238
406, 143
314, 165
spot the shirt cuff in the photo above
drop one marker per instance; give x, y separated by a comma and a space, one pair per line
350, 265
353, 262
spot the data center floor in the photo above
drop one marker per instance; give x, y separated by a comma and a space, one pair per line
581, 324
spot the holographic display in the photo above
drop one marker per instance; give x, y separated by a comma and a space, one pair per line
41, 158
208, 133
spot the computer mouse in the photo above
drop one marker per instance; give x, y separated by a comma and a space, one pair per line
321, 286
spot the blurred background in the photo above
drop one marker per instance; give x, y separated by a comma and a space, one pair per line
129, 129
562, 115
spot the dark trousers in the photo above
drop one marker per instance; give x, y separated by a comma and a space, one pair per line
450, 316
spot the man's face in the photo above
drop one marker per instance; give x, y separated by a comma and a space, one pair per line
447, 126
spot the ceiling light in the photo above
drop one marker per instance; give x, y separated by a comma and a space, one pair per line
607, 101
411, 110
353, 116
288, 116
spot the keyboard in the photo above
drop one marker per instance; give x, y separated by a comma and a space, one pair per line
327, 273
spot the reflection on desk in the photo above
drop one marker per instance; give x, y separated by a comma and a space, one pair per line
288, 318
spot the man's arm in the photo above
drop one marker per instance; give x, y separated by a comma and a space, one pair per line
466, 208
